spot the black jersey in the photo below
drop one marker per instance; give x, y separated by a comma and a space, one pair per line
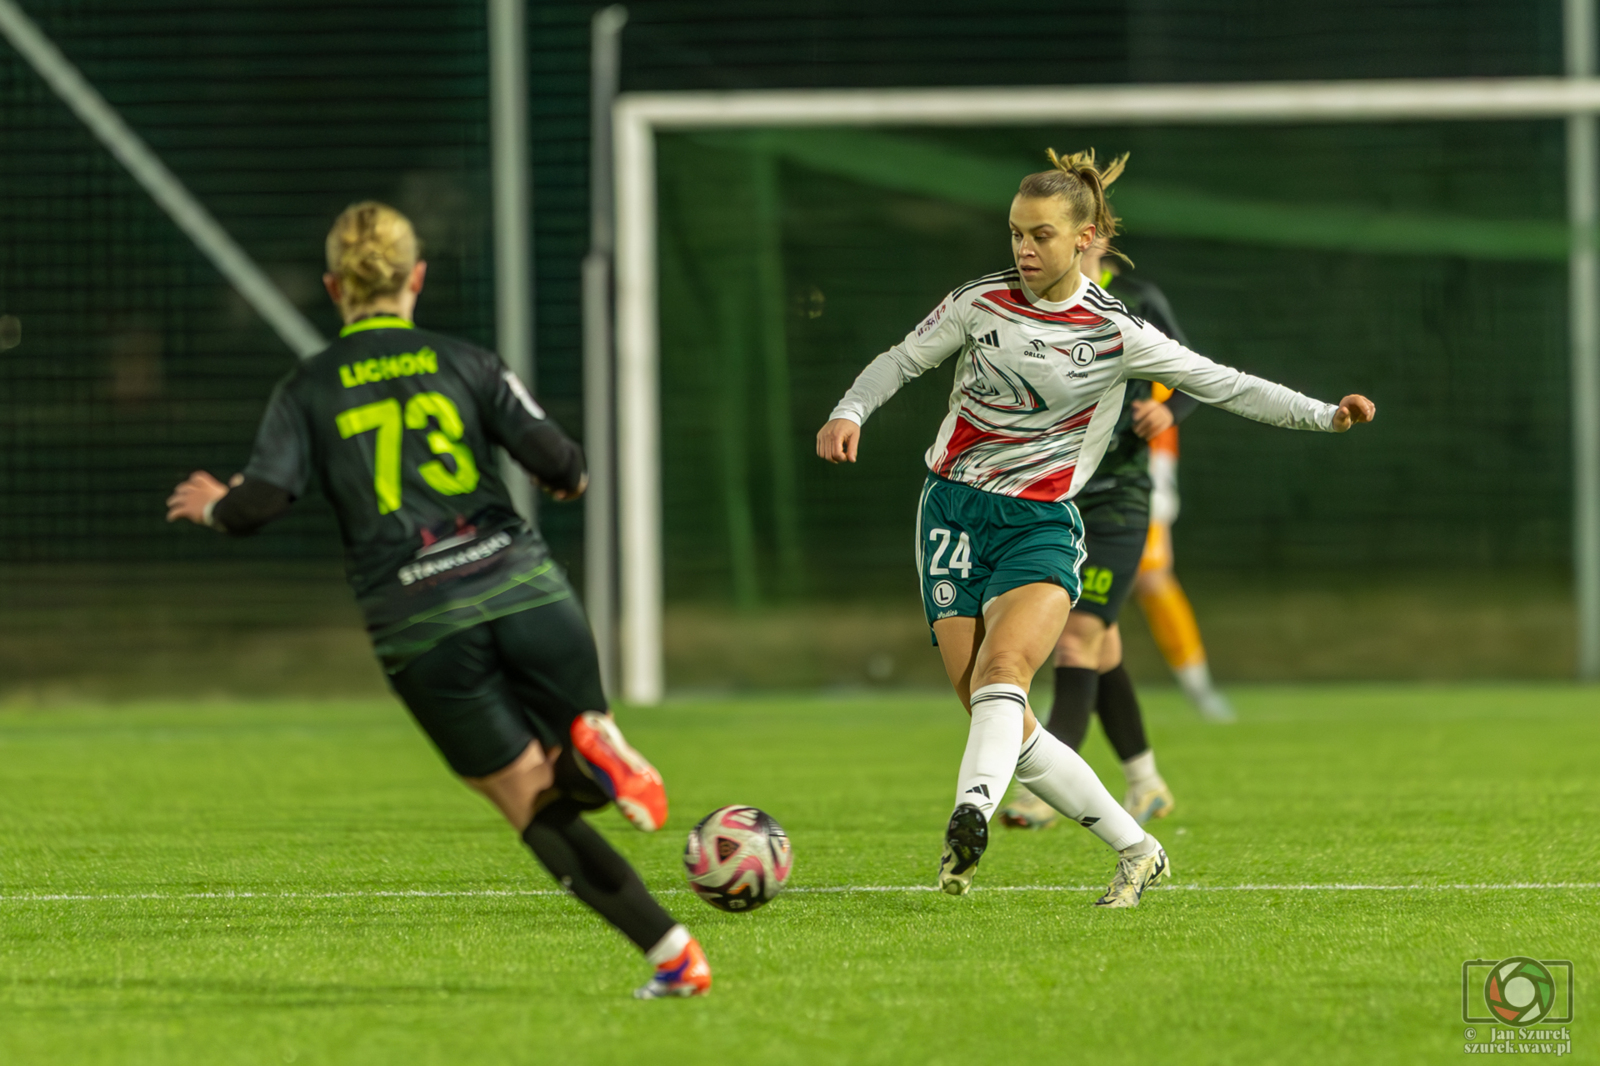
1122, 480
401, 428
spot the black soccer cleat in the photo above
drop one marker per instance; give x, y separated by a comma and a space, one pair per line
965, 839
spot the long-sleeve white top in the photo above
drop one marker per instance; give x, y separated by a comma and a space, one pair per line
1039, 384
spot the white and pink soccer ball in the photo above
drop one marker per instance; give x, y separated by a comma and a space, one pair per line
738, 858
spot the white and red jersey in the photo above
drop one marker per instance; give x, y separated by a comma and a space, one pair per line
1039, 384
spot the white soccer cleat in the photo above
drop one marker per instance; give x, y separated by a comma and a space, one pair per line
1134, 876
965, 839
1147, 804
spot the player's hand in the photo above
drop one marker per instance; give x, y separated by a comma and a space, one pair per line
190, 499
1151, 418
1353, 409
569, 494
836, 441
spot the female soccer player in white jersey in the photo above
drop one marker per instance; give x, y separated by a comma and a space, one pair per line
1044, 358
475, 625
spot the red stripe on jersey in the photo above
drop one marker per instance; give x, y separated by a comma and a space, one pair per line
968, 434
1013, 300
1053, 487
964, 436
1077, 421
1049, 489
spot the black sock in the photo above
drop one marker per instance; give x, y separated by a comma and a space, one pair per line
1118, 707
1069, 711
590, 868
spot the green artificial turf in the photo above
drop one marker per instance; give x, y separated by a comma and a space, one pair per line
165, 815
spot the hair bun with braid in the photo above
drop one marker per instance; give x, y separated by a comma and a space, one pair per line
1082, 183
372, 248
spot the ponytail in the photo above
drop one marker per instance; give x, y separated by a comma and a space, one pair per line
1082, 183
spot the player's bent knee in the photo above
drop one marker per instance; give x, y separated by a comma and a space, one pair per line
1082, 641
1003, 667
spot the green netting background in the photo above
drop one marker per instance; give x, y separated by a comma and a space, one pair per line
137, 362
1421, 264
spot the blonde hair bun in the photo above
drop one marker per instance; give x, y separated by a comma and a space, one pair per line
372, 248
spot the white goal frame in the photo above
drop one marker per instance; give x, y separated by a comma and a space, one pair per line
637, 117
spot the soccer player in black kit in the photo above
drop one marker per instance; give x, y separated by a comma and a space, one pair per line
475, 625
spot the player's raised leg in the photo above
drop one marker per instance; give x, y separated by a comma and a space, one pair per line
483, 695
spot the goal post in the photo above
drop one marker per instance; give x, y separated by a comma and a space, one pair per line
638, 117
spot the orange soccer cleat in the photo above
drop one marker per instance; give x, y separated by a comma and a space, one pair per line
687, 975
625, 775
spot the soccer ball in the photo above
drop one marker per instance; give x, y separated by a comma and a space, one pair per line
737, 858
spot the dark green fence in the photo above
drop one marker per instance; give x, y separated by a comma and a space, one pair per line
1419, 263
1387, 260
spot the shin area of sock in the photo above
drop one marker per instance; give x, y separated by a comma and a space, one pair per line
993, 740
1059, 776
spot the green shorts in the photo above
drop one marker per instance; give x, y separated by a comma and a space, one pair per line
973, 546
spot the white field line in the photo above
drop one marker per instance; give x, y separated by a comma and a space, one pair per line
492, 893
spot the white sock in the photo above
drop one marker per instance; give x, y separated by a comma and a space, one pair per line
1059, 776
669, 947
1140, 772
992, 743
1140, 848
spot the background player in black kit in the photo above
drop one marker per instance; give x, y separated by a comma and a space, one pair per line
1115, 505
475, 625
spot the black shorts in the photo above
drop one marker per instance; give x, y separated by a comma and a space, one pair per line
1115, 543
483, 693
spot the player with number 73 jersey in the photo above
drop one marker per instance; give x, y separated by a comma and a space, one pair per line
1037, 392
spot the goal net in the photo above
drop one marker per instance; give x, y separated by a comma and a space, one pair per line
1421, 263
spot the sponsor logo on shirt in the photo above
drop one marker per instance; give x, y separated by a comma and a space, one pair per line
385, 367
932, 319
414, 572
1036, 349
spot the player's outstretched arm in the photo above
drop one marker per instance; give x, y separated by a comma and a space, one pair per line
241, 507
837, 440
1353, 409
